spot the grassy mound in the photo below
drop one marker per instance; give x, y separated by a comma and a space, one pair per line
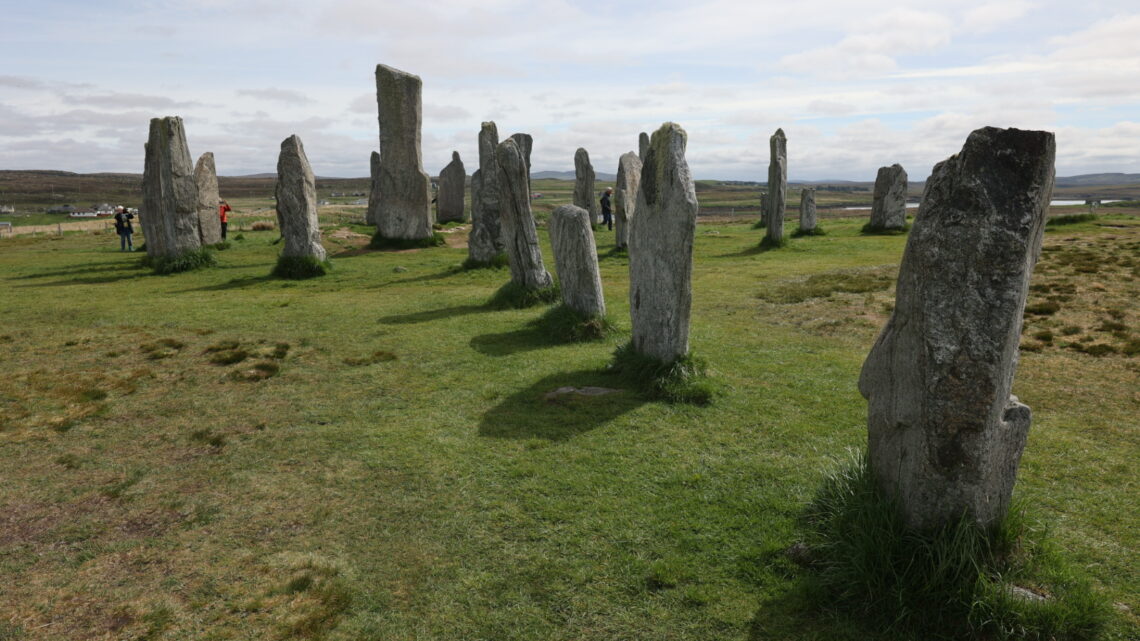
814, 231
184, 262
515, 296
382, 242
769, 243
874, 230
498, 261
300, 267
685, 380
569, 326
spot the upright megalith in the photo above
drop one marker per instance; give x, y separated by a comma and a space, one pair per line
485, 241
888, 210
404, 210
452, 190
296, 193
206, 177
576, 259
373, 189
526, 145
584, 185
524, 255
642, 145
625, 196
807, 211
777, 188
661, 249
169, 215
944, 434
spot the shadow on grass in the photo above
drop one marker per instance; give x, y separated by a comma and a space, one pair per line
94, 280
751, 250
530, 413
79, 270
434, 314
235, 283
794, 615
529, 338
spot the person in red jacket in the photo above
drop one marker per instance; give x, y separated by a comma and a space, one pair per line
224, 210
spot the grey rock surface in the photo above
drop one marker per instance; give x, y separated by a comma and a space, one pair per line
296, 193
888, 209
625, 196
945, 436
576, 259
373, 189
807, 209
486, 238
452, 195
584, 185
661, 249
642, 145
777, 186
209, 223
169, 215
523, 251
404, 209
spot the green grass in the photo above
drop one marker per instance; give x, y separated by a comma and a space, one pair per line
569, 326
1070, 219
814, 231
381, 242
498, 261
300, 267
184, 262
684, 380
515, 296
447, 494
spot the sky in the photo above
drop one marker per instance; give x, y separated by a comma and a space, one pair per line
855, 85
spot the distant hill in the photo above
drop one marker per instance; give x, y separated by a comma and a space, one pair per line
569, 175
1092, 180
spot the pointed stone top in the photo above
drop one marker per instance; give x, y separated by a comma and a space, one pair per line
780, 133
455, 156
395, 72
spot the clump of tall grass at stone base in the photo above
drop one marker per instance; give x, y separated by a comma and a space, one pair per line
760, 224
814, 231
773, 243
685, 380
184, 262
567, 325
498, 261
300, 267
956, 582
515, 296
379, 241
871, 229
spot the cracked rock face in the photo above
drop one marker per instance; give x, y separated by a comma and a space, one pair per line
486, 238
169, 216
297, 202
584, 185
524, 254
944, 434
404, 207
452, 190
576, 259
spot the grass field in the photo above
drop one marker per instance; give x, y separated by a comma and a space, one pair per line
374, 454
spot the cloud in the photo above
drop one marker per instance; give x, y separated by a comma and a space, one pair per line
989, 17
287, 96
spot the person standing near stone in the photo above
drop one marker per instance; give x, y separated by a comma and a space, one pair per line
607, 208
124, 228
224, 210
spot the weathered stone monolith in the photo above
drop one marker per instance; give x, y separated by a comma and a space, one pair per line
945, 436
524, 254
576, 259
661, 249
625, 196
452, 190
486, 238
888, 210
526, 145
777, 187
405, 204
584, 185
373, 189
642, 145
807, 210
169, 215
297, 202
206, 176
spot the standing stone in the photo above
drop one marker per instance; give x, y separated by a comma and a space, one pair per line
297, 202
584, 185
888, 211
777, 187
206, 176
763, 209
486, 238
523, 251
452, 190
625, 196
661, 249
170, 194
526, 144
945, 436
373, 189
576, 259
405, 207
807, 210
642, 145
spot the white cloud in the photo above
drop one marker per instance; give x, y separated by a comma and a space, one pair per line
989, 17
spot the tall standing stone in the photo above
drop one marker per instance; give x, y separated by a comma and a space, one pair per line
486, 238
807, 210
777, 187
452, 190
642, 145
576, 259
661, 249
584, 185
526, 144
373, 189
297, 202
170, 194
945, 436
625, 196
523, 251
888, 210
405, 205
206, 176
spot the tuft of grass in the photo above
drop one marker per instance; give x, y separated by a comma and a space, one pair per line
258, 372
1070, 219
515, 296
1045, 308
184, 262
228, 356
956, 581
263, 225
498, 261
569, 326
769, 243
828, 283
814, 231
208, 437
379, 356
381, 242
222, 346
162, 348
873, 230
280, 351
1045, 336
685, 380
221, 245
760, 224
69, 461
300, 267
239, 237
1093, 349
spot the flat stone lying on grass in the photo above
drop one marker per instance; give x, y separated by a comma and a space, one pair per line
297, 202
209, 223
888, 209
486, 238
807, 210
374, 189
170, 194
625, 196
777, 187
661, 249
945, 436
404, 210
576, 259
584, 185
524, 255
452, 190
